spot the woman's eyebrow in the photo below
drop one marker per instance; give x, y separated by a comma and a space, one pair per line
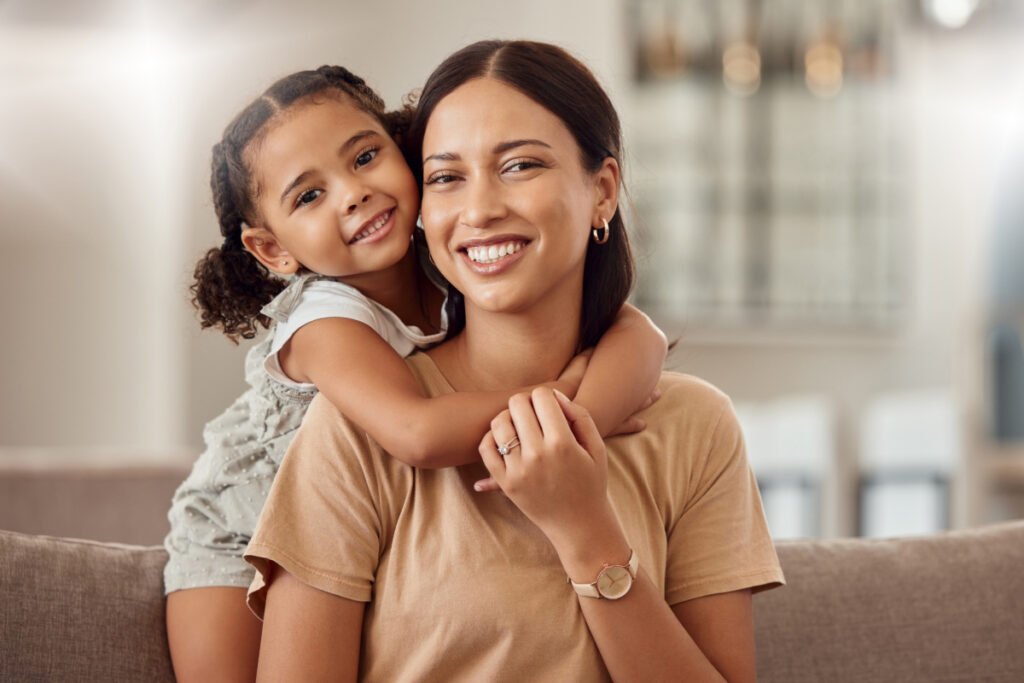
512, 144
355, 139
499, 148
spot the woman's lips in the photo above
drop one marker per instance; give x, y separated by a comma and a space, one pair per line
513, 248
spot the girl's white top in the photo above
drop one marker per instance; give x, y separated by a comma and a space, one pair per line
312, 297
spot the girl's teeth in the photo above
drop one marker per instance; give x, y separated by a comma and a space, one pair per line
492, 253
377, 225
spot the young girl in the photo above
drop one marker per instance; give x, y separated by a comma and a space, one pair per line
309, 184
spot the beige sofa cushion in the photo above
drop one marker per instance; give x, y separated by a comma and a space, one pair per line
81, 611
941, 608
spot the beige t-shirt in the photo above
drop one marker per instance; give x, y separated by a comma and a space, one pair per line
461, 585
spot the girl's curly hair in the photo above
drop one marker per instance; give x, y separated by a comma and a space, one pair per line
230, 286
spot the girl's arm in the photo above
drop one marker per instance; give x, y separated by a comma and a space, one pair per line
623, 371
369, 382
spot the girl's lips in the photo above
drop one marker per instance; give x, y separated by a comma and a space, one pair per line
380, 233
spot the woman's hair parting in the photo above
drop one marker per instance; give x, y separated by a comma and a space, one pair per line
560, 83
230, 285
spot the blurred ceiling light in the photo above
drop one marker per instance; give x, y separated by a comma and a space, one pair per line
741, 68
949, 13
823, 68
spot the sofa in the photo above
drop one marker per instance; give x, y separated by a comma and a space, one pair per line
942, 608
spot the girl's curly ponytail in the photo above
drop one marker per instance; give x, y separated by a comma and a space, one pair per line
231, 286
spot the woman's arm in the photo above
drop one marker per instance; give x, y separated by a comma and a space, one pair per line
292, 651
623, 371
558, 478
370, 383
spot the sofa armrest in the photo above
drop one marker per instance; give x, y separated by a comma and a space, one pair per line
75, 610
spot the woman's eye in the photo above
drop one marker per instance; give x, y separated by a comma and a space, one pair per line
366, 157
441, 178
520, 165
307, 197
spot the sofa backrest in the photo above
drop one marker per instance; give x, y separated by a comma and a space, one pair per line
948, 607
941, 608
81, 611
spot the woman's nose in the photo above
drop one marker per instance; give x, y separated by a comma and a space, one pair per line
484, 204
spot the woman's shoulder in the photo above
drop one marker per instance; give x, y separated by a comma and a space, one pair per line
691, 393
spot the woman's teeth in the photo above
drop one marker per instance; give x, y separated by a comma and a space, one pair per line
492, 253
372, 228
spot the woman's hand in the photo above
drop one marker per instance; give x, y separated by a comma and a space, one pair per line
558, 473
569, 383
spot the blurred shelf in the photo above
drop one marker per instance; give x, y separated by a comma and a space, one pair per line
1005, 467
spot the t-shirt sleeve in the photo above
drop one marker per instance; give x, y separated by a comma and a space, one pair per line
322, 521
720, 541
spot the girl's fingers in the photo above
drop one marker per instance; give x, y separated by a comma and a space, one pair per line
632, 425
582, 425
650, 400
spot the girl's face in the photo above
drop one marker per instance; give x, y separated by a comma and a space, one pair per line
334, 192
507, 205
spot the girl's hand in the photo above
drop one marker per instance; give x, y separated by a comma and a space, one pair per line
633, 423
569, 381
558, 473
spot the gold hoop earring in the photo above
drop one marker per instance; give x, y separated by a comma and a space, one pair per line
601, 234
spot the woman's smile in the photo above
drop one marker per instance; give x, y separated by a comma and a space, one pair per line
507, 205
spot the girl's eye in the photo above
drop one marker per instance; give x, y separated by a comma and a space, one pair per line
367, 156
307, 197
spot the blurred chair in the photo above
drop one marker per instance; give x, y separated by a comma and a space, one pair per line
910, 447
791, 446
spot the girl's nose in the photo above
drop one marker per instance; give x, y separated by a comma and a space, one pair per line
354, 202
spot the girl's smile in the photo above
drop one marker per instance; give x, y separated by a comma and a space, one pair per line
334, 193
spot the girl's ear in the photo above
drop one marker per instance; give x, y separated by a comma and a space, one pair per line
606, 192
265, 248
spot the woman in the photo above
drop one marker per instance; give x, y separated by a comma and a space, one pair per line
373, 569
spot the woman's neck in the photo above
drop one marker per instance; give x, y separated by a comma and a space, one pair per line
499, 351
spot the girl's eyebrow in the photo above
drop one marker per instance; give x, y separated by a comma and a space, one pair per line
499, 148
348, 144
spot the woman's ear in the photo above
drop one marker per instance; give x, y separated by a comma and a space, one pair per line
265, 248
606, 191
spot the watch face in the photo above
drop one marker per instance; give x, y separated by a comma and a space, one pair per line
614, 582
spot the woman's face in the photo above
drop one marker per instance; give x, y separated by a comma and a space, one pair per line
507, 205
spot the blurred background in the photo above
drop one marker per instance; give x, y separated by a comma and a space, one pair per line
827, 199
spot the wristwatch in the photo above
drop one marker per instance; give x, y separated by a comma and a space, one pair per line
613, 581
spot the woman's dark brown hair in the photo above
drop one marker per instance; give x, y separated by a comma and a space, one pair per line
560, 83
231, 286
